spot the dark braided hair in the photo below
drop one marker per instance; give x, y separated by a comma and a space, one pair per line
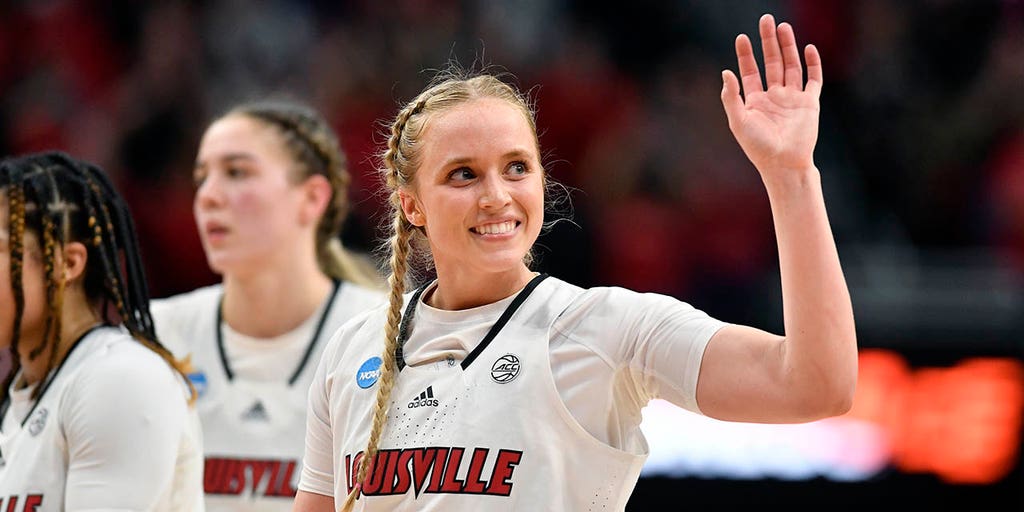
67, 200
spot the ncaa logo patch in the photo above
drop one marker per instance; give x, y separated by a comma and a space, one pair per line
505, 369
198, 380
369, 372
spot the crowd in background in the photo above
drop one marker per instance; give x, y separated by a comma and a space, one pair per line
922, 142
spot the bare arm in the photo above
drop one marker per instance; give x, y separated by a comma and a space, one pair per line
810, 372
312, 502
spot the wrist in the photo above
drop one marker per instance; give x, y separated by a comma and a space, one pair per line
791, 179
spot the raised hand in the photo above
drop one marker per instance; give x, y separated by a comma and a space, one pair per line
778, 127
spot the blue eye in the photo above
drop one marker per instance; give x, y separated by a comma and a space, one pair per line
518, 168
461, 174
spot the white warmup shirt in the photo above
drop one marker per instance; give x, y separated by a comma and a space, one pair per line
111, 431
252, 392
544, 416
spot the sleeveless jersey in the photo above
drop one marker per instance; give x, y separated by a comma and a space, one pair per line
253, 430
40, 439
487, 433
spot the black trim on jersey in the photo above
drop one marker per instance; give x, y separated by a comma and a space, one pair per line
509, 311
403, 326
52, 377
309, 348
410, 309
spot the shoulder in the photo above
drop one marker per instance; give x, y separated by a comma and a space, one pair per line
615, 309
185, 304
358, 297
121, 366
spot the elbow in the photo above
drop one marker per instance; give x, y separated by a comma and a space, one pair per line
841, 402
834, 397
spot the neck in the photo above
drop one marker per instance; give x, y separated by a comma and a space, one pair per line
461, 290
77, 317
269, 304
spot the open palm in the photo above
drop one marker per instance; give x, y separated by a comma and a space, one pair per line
777, 127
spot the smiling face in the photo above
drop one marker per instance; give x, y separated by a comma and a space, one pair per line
479, 189
248, 208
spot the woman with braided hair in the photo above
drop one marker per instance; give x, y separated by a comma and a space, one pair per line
271, 197
498, 388
97, 414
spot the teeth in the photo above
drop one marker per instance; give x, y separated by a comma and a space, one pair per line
496, 229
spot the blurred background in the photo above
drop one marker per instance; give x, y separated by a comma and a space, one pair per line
921, 151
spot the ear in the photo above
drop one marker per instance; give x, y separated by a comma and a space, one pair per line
316, 195
412, 209
76, 256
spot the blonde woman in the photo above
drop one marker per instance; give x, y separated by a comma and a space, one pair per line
497, 388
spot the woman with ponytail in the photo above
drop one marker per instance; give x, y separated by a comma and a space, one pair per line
271, 198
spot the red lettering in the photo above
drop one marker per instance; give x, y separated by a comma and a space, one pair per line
259, 468
422, 462
403, 480
286, 486
353, 470
391, 456
32, 502
476, 466
501, 476
235, 474
375, 480
438, 465
451, 470
213, 476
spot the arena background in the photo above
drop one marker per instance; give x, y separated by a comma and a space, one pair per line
921, 152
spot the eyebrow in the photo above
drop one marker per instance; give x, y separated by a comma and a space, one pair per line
515, 153
227, 158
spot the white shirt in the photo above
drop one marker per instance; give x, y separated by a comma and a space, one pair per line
252, 401
604, 353
111, 431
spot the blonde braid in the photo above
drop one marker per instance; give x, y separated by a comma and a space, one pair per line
400, 249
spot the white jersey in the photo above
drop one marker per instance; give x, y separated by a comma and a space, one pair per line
252, 392
540, 413
112, 430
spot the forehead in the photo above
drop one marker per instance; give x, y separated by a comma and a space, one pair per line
237, 133
477, 128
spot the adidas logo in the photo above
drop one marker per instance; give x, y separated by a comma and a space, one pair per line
425, 399
256, 413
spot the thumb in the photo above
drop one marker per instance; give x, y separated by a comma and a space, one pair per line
731, 99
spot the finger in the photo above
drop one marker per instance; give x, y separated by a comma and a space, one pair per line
794, 76
731, 99
749, 74
773, 58
814, 72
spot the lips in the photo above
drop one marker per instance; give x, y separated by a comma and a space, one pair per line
215, 230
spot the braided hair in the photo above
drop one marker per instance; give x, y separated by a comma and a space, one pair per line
399, 162
62, 200
314, 146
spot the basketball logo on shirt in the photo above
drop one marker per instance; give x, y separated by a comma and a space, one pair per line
38, 421
505, 369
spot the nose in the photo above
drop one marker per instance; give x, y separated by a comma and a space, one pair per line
494, 193
208, 194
